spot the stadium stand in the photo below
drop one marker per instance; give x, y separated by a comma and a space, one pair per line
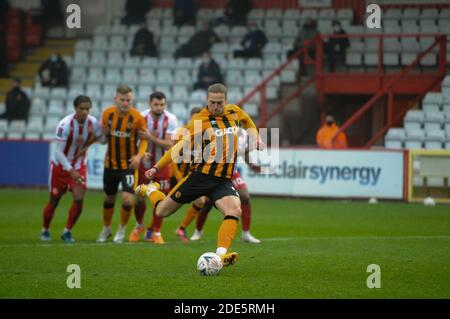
427, 128
100, 63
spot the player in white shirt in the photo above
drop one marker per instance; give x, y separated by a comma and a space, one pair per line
161, 125
74, 134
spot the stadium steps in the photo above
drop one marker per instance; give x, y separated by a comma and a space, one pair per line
28, 70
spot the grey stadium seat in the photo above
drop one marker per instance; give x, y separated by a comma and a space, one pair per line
413, 119
414, 138
434, 139
433, 120
394, 138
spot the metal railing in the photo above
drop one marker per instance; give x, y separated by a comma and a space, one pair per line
388, 88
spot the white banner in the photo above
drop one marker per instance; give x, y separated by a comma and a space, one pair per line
322, 173
95, 166
309, 173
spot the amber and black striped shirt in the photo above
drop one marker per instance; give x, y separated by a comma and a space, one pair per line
123, 138
219, 140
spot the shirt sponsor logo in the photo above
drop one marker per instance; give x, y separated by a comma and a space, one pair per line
121, 134
226, 131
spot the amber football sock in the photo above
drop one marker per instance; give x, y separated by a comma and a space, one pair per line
108, 211
191, 214
227, 231
125, 213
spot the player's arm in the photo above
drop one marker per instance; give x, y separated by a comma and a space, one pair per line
143, 144
165, 142
252, 166
62, 159
98, 136
174, 152
251, 129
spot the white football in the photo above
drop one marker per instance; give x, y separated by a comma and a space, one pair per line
428, 201
373, 200
209, 264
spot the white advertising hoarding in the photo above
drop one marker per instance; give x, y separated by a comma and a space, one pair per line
305, 172
322, 173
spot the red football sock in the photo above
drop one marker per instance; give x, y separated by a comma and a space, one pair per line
246, 216
139, 211
48, 213
201, 219
74, 213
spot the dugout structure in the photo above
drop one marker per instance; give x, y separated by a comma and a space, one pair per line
429, 175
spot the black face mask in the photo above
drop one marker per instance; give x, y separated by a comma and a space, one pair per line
329, 123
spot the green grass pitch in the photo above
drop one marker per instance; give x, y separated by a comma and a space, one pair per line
309, 249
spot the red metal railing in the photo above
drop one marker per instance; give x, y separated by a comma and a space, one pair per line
389, 86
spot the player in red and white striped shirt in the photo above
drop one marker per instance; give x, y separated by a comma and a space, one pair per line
161, 126
74, 134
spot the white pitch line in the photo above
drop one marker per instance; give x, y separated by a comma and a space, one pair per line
60, 244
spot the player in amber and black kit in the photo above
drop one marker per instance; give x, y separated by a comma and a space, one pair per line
216, 127
121, 124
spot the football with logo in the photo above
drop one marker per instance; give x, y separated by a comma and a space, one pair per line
209, 264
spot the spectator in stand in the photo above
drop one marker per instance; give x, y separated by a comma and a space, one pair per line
17, 103
305, 37
136, 10
326, 133
144, 43
253, 43
208, 73
4, 69
236, 12
336, 47
52, 13
54, 72
199, 43
184, 12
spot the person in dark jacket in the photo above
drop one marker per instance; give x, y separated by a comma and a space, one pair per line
236, 12
17, 103
253, 43
136, 10
184, 12
208, 73
199, 43
144, 43
305, 37
54, 72
336, 47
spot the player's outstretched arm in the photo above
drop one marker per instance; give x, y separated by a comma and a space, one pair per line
255, 140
